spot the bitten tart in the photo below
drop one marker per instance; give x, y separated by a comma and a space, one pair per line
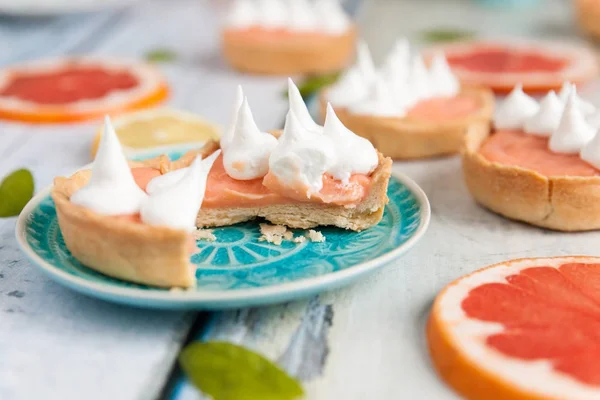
135, 221
276, 37
541, 164
407, 110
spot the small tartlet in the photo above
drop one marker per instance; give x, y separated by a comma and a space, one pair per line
410, 138
260, 51
563, 203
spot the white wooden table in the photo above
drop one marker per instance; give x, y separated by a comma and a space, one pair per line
361, 342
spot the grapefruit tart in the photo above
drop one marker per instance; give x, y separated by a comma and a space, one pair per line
538, 65
406, 109
280, 37
77, 89
541, 165
521, 329
131, 220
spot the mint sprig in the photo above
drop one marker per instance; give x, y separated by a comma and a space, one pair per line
161, 56
226, 371
15, 191
446, 35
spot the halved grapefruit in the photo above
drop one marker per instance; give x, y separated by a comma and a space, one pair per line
76, 89
522, 329
539, 66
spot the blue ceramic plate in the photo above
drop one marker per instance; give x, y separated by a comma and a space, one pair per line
238, 270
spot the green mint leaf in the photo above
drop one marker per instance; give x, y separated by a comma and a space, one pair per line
15, 191
226, 371
446, 35
161, 55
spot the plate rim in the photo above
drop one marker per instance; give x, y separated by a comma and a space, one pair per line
219, 297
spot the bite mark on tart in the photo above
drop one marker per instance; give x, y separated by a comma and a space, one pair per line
407, 108
284, 38
549, 176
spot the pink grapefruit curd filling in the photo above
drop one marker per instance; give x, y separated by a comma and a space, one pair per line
531, 152
439, 109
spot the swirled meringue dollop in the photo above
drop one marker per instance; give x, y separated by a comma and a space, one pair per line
302, 16
547, 118
443, 83
301, 157
111, 189
590, 153
331, 17
177, 206
247, 156
243, 14
298, 105
573, 132
164, 181
227, 136
355, 154
395, 65
566, 89
380, 101
515, 109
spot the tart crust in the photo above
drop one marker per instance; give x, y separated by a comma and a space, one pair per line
321, 54
131, 251
563, 203
406, 138
588, 17
301, 215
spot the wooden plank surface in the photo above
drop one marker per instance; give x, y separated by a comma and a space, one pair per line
362, 342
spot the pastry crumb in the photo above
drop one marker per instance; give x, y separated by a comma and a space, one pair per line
273, 233
315, 236
288, 235
204, 234
299, 239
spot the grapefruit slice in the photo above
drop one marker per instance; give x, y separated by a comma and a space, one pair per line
522, 329
77, 89
159, 127
539, 66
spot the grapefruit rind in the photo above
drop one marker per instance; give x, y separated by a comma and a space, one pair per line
582, 65
460, 355
151, 91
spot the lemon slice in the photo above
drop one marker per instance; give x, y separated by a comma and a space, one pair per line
159, 127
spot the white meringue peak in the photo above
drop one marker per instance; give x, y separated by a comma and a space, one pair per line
516, 108
419, 79
243, 14
302, 16
349, 89
380, 101
164, 181
301, 112
247, 156
355, 154
364, 61
573, 132
547, 118
443, 82
395, 66
302, 156
590, 153
566, 89
178, 205
111, 189
273, 14
228, 134
331, 17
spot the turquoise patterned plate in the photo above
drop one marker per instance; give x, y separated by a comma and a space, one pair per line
238, 270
